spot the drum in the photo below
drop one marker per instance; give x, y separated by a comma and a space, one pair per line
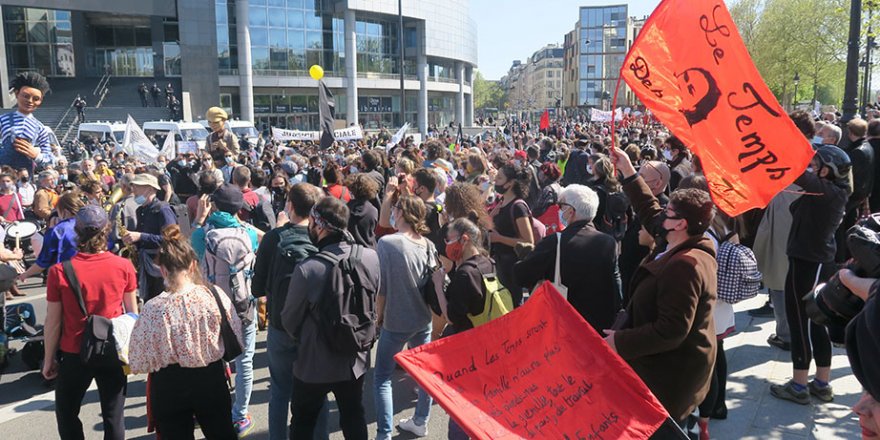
23, 229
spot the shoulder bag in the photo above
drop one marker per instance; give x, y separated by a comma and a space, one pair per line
231, 345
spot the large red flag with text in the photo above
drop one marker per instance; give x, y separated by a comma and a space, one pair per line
689, 66
539, 372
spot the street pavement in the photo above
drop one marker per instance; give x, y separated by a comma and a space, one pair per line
26, 405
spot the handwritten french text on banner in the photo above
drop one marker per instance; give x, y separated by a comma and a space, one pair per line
539, 372
689, 66
343, 134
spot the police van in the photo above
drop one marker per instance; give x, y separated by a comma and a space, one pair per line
100, 132
188, 135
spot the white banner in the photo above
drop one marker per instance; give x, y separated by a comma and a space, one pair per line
136, 144
343, 134
597, 115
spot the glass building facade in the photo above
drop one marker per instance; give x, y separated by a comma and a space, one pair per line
39, 40
602, 42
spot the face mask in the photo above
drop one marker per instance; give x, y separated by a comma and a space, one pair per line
818, 140
5, 186
353, 170
182, 163
454, 250
140, 200
484, 186
500, 189
517, 162
667, 155
663, 231
229, 160
393, 220
562, 220
589, 169
62, 177
24, 180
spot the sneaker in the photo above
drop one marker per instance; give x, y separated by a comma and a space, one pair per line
825, 394
777, 342
243, 427
409, 425
764, 311
787, 392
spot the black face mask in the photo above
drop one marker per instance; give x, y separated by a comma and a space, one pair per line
500, 189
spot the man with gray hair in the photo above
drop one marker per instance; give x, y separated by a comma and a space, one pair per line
829, 133
587, 259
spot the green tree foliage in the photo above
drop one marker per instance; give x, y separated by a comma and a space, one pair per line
487, 94
807, 37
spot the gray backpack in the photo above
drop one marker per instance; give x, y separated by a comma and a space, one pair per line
229, 264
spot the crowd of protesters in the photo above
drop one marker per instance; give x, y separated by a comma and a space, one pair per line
630, 220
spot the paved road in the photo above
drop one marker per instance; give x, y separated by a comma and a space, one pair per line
26, 407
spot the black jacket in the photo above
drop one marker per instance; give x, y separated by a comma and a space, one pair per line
588, 268
576, 168
271, 276
874, 200
362, 221
815, 217
861, 154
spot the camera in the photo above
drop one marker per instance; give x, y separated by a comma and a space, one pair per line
832, 304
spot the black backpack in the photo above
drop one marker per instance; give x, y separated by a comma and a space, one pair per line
346, 311
616, 217
287, 256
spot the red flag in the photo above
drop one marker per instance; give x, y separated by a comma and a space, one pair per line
539, 372
545, 120
689, 66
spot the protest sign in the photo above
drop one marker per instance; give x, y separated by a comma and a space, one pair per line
343, 134
539, 372
689, 66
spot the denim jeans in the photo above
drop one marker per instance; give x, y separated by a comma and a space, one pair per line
244, 372
391, 343
282, 354
777, 297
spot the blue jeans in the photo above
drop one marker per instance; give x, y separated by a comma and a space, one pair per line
391, 343
282, 354
244, 371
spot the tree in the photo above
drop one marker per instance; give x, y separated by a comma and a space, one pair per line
807, 37
487, 94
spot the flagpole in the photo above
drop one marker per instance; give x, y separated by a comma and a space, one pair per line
400, 54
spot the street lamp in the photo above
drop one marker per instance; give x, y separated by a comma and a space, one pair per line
797, 80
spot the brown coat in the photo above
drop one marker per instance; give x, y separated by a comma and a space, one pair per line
670, 342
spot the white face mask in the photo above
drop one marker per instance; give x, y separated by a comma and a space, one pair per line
589, 169
667, 155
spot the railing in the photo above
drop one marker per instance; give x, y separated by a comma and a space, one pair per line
103, 92
101, 84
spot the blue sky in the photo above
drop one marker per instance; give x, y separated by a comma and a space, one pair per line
513, 29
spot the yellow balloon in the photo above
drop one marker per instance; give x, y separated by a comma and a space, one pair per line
316, 72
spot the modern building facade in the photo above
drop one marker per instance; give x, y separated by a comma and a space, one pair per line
594, 52
536, 84
252, 56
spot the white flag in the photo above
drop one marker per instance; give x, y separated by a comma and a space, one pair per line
136, 144
398, 136
169, 147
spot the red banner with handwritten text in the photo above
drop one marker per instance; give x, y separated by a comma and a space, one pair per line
539, 372
689, 66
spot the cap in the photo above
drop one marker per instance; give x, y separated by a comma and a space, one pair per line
90, 217
146, 180
216, 114
228, 198
290, 168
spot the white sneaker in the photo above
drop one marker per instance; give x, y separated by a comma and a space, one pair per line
409, 425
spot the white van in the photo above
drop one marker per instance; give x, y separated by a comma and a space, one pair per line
106, 131
183, 132
240, 128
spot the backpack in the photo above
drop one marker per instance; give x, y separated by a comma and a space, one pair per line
616, 217
285, 261
538, 228
738, 275
181, 213
257, 216
346, 311
498, 301
229, 264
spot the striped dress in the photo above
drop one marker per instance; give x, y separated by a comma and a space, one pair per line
16, 125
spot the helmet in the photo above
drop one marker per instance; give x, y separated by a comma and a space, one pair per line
835, 159
216, 114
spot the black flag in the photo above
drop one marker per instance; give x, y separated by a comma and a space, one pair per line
327, 113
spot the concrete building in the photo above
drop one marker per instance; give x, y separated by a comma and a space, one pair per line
593, 54
536, 84
252, 56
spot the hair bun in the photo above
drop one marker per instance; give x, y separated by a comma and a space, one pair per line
171, 233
